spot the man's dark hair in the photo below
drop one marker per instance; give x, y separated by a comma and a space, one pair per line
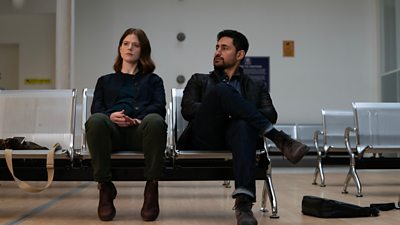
239, 40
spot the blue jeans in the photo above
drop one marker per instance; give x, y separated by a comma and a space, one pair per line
226, 120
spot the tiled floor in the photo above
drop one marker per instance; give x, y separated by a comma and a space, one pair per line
198, 202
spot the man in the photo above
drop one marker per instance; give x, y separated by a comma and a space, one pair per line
226, 109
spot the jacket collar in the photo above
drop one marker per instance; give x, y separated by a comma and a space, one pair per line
220, 74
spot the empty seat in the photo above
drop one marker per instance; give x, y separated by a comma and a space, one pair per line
44, 117
376, 129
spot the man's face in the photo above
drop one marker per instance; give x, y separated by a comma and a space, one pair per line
225, 55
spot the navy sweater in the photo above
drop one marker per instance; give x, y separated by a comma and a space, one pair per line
149, 96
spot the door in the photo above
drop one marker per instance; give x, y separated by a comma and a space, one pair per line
9, 62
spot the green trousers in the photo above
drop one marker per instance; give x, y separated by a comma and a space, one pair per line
103, 137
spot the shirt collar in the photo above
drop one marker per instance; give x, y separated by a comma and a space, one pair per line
221, 74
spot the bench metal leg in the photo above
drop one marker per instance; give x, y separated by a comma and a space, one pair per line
319, 170
353, 174
268, 187
264, 198
227, 184
398, 202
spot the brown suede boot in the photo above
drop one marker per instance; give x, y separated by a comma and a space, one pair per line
106, 210
244, 215
150, 209
291, 149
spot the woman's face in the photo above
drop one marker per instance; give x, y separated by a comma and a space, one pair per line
130, 49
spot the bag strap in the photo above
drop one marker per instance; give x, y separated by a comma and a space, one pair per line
49, 166
385, 206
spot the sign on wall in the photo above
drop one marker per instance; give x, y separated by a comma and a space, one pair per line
37, 81
257, 67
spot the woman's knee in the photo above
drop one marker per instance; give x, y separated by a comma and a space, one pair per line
154, 121
96, 120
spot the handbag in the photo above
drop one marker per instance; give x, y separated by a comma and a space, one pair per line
328, 208
18, 143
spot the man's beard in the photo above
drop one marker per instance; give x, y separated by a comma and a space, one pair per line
221, 65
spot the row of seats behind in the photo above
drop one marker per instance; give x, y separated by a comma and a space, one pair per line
370, 128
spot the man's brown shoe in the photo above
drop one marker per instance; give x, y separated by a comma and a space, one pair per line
150, 209
293, 150
106, 210
244, 215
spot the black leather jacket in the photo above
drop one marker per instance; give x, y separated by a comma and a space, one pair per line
199, 86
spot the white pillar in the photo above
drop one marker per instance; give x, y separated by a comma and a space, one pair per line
63, 44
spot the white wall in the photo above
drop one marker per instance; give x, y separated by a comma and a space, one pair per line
336, 55
34, 34
28, 7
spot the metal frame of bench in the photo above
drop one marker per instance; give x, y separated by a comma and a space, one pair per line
376, 130
179, 124
36, 115
334, 122
45, 117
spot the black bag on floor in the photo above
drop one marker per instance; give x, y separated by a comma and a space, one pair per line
327, 208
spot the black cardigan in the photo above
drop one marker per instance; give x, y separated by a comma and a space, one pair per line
150, 97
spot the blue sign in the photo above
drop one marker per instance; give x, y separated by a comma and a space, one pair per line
257, 67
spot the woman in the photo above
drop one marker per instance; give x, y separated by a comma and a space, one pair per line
128, 112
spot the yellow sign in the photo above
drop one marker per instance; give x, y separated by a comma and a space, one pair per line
288, 48
37, 81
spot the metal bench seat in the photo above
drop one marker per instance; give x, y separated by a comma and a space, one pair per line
37, 154
41, 116
377, 130
45, 117
334, 122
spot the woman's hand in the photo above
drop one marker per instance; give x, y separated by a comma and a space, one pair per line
123, 120
133, 122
